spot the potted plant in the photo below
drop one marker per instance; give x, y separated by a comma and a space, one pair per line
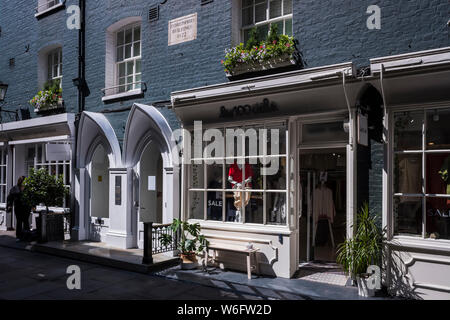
49, 100
41, 188
357, 254
190, 243
277, 51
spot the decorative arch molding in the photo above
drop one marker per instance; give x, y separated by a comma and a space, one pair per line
146, 125
95, 130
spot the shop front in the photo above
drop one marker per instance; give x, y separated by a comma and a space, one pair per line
416, 193
271, 161
44, 142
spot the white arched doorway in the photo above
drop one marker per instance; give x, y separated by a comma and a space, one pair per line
148, 152
98, 171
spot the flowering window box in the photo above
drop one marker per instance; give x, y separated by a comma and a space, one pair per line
51, 109
277, 54
49, 101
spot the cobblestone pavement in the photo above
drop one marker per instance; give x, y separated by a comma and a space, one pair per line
29, 275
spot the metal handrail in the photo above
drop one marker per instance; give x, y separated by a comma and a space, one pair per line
124, 85
46, 4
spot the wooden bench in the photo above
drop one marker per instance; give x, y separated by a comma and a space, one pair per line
250, 255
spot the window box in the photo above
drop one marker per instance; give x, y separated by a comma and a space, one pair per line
51, 109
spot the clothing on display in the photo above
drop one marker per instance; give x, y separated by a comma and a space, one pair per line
235, 172
323, 204
410, 178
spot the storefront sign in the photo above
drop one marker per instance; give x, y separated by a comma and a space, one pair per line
57, 152
363, 132
265, 107
183, 29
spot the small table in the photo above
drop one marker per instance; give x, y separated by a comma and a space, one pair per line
250, 254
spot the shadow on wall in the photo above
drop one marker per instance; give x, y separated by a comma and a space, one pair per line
399, 284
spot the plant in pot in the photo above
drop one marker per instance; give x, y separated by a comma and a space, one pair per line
190, 242
49, 100
363, 250
41, 188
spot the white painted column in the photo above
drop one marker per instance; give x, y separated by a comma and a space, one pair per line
120, 209
351, 175
79, 231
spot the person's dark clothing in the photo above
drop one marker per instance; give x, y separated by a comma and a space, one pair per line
21, 210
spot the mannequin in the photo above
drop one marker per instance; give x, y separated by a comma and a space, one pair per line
278, 213
235, 179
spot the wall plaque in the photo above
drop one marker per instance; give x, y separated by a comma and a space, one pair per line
183, 29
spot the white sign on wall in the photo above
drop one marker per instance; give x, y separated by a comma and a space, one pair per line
363, 132
57, 152
151, 183
183, 29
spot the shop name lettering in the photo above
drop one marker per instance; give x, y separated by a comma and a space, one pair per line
265, 107
444, 213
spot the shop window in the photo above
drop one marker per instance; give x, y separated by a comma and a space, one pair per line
35, 158
247, 184
3, 175
421, 161
261, 14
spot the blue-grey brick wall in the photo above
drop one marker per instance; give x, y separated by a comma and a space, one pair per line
329, 32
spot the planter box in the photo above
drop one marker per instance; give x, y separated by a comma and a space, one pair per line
283, 63
55, 108
54, 227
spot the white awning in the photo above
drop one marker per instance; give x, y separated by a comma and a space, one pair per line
414, 78
42, 127
304, 91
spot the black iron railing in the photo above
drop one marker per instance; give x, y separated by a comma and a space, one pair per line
152, 240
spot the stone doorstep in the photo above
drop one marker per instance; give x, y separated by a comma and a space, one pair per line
70, 253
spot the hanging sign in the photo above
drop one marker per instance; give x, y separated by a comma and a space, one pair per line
151, 183
183, 29
363, 131
57, 152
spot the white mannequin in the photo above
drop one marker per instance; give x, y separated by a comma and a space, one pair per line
238, 185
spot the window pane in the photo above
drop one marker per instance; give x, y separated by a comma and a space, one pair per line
275, 9
128, 35
215, 176
127, 51
288, 27
408, 173
287, 7
246, 35
129, 81
137, 49
247, 16
122, 70
137, 33
438, 218
137, 79
438, 167
324, 132
255, 209
279, 25
408, 130
121, 84
119, 54
138, 66
196, 205
276, 174
49, 67
438, 129
214, 205
263, 32
232, 199
120, 37
276, 208
130, 68
246, 3
196, 176
408, 215
261, 11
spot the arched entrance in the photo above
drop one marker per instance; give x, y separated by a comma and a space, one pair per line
150, 190
98, 222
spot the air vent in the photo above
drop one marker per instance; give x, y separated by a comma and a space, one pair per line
206, 1
153, 13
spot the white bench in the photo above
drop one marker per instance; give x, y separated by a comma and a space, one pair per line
249, 253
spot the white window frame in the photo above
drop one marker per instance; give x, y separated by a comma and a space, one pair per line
47, 5
3, 175
135, 85
391, 183
268, 20
188, 190
43, 163
51, 74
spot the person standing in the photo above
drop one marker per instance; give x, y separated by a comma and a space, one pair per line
21, 209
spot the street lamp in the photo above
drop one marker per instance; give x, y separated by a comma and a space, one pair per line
3, 89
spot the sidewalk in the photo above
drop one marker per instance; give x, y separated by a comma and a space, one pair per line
93, 252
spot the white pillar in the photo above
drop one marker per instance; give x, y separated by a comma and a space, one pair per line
120, 208
79, 231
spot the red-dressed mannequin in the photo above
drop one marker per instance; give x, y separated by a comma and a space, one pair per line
235, 178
